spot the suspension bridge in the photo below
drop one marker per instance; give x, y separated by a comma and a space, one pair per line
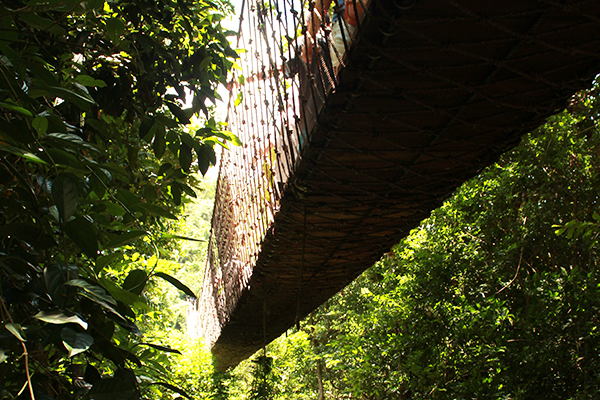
339, 162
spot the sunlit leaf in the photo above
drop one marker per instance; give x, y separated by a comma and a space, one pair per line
17, 331
239, 99
58, 317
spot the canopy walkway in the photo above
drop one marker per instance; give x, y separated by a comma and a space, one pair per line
338, 164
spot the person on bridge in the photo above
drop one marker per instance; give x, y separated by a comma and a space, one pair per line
343, 27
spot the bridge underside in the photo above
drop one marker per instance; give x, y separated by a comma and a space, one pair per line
431, 95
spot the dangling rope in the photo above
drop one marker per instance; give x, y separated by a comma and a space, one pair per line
301, 270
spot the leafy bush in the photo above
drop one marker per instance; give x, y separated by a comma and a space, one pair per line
96, 157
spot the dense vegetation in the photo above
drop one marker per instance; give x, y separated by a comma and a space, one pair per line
97, 155
495, 296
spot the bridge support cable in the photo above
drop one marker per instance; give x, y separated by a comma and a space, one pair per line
346, 148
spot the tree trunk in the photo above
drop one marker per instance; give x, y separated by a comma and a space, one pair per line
320, 379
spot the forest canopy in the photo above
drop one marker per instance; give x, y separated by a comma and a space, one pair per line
495, 296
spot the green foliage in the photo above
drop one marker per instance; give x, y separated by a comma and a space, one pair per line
97, 155
263, 384
484, 299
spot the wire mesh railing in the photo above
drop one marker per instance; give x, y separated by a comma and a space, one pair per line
291, 54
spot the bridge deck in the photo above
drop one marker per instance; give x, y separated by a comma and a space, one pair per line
431, 94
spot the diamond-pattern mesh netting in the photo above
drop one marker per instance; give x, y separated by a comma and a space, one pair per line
353, 134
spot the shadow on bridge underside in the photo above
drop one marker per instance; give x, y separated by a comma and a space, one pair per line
339, 163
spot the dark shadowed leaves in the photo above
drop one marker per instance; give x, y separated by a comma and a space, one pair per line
136, 281
125, 238
75, 342
185, 156
112, 389
65, 195
83, 233
173, 388
161, 348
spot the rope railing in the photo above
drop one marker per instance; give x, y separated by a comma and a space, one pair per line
290, 55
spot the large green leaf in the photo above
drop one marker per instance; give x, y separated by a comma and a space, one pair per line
3, 356
64, 157
37, 22
157, 210
75, 342
171, 236
87, 80
58, 317
115, 28
16, 330
175, 283
176, 191
128, 198
180, 114
55, 276
185, 157
103, 261
83, 233
121, 294
125, 238
27, 155
72, 140
40, 124
81, 99
136, 281
65, 195
93, 292
206, 156
173, 388
16, 108
113, 208
159, 144
161, 348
